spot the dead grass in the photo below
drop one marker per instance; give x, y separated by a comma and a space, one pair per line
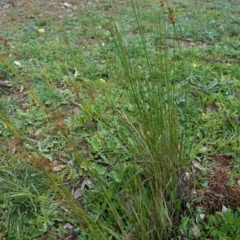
223, 189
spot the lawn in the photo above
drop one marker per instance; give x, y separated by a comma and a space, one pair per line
120, 120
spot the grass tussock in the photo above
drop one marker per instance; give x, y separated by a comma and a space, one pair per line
104, 115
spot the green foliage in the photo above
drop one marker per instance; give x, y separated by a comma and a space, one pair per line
92, 130
25, 196
218, 226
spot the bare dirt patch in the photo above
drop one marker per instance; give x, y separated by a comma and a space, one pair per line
20, 12
220, 193
223, 188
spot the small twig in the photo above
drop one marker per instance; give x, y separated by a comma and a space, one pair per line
5, 84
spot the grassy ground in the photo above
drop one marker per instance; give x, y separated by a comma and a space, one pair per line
73, 70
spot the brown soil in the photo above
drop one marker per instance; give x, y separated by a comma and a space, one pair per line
22, 11
223, 189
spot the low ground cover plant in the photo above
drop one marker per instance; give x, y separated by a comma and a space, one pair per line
119, 120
